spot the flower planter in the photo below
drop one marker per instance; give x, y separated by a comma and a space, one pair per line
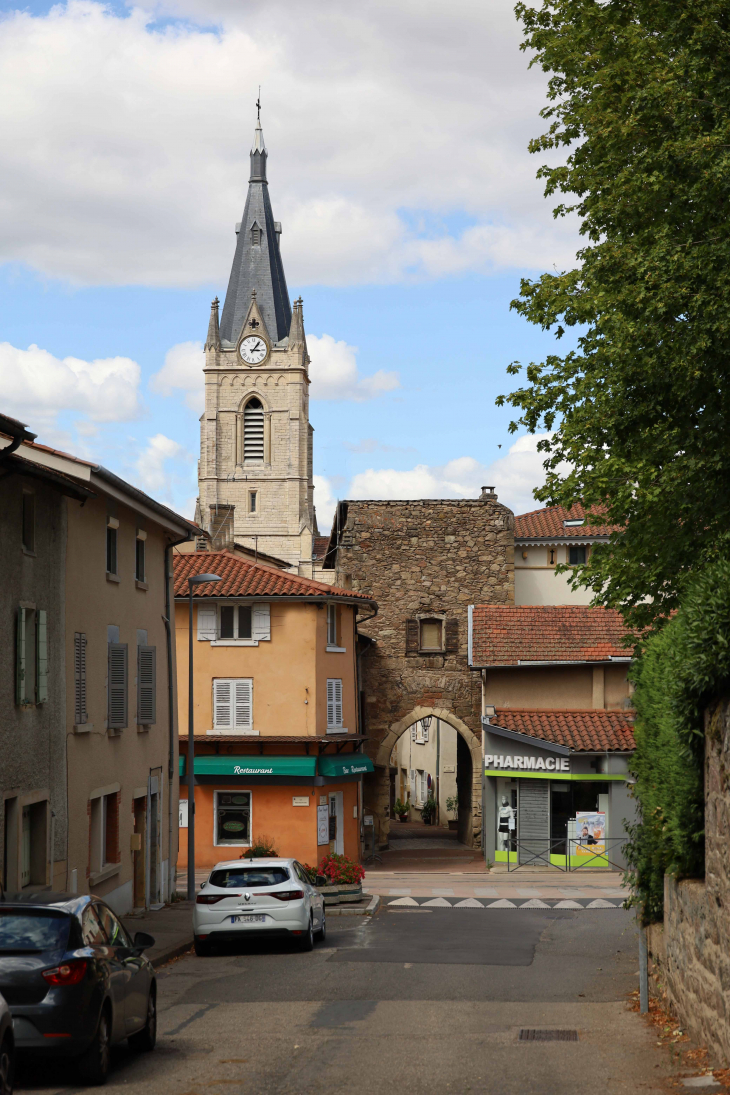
427, 821
453, 826
403, 817
340, 894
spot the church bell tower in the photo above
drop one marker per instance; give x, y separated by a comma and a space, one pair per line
255, 471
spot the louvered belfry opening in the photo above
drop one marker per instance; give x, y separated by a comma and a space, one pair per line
253, 432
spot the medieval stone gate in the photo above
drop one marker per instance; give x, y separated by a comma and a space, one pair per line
424, 562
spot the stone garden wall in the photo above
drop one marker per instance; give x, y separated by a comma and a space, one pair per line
690, 954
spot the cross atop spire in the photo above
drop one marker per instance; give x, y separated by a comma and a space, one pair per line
258, 105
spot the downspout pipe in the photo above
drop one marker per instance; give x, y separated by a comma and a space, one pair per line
171, 867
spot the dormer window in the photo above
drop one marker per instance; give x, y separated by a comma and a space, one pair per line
256, 234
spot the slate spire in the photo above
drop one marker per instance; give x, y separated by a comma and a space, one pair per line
257, 261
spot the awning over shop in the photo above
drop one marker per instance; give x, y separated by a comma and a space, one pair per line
349, 764
255, 766
181, 762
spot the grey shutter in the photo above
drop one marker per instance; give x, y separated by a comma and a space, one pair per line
146, 685
412, 636
261, 628
80, 715
452, 637
20, 659
117, 686
41, 652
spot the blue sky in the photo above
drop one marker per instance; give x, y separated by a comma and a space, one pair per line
121, 200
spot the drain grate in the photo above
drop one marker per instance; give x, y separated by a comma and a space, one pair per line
548, 1035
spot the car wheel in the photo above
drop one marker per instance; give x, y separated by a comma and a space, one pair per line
93, 1064
6, 1067
144, 1040
307, 943
322, 933
202, 949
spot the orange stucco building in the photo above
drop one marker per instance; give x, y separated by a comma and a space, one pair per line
275, 710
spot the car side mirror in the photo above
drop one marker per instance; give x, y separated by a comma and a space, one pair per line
143, 941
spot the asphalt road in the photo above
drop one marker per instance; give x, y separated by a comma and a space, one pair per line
412, 999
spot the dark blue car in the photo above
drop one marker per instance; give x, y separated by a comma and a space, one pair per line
73, 979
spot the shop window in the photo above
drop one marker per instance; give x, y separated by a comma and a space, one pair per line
431, 634
232, 817
577, 554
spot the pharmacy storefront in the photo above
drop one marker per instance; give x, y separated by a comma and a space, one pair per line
548, 804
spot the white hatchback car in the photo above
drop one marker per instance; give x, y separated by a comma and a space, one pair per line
271, 896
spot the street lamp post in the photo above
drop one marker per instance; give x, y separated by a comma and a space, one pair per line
199, 579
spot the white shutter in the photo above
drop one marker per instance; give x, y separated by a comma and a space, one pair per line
207, 622
412, 782
243, 706
338, 702
424, 731
330, 703
261, 622
414, 730
222, 714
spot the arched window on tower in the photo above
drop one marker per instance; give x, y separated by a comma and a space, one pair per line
253, 432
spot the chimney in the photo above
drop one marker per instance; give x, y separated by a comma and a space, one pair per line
487, 495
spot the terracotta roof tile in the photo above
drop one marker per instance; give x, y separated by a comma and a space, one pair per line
547, 524
584, 731
319, 547
242, 578
510, 634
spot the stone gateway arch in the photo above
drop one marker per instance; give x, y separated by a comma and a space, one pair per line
424, 562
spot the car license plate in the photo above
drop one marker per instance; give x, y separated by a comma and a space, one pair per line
248, 919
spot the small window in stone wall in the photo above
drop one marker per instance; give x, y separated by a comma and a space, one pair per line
432, 635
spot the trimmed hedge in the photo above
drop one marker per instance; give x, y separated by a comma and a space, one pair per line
683, 668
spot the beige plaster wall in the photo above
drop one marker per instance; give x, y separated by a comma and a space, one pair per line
98, 758
565, 687
289, 671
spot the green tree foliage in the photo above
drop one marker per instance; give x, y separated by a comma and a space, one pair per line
684, 667
639, 92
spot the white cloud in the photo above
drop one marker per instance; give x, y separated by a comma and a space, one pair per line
158, 466
514, 477
183, 370
35, 386
397, 133
325, 502
334, 375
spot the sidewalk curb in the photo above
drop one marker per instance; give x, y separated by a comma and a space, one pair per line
173, 951
373, 906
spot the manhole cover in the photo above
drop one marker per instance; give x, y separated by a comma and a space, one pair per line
548, 1036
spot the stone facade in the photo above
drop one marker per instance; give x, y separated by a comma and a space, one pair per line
423, 559
690, 954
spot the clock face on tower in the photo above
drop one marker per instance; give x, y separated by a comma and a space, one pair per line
253, 350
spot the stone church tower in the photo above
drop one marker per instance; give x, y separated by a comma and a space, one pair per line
255, 471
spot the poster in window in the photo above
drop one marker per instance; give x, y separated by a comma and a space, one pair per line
590, 834
323, 825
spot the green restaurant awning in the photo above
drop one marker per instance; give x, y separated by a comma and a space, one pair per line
181, 761
255, 766
349, 764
